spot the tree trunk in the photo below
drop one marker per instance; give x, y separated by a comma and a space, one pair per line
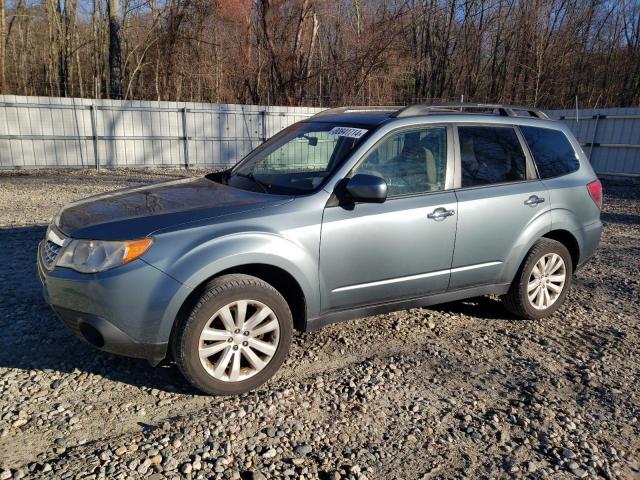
3, 22
63, 67
53, 73
115, 54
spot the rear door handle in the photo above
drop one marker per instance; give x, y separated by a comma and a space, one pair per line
533, 200
440, 214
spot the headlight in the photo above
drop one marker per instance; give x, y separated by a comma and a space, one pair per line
91, 256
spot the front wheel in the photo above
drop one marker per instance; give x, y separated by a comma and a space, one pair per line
542, 282
236, 338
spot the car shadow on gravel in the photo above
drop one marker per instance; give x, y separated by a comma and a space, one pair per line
479, 307
620, 218
34, 339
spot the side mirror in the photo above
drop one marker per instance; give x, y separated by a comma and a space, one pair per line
367, 188
313, 141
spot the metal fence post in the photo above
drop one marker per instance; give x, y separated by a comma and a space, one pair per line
94, 135
185, 138
593, 139
264, 125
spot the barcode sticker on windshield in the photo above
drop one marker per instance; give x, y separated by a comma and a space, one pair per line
347, 132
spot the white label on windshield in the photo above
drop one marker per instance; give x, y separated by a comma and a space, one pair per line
347, 132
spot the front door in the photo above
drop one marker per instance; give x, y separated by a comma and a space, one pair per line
402, 248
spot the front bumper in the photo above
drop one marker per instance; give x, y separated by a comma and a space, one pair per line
126, 310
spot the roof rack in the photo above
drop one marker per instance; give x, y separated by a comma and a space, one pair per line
494, 108
357, 109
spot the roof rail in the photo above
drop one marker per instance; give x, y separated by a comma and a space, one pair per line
356, 109
498, 109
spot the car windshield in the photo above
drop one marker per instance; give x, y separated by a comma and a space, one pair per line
298, 159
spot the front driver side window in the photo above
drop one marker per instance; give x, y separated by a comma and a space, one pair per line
411, 162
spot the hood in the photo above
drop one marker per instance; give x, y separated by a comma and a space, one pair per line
139, 211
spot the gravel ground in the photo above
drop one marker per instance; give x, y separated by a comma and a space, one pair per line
459, 390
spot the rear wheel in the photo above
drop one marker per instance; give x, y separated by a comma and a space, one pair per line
236, 338
542, 282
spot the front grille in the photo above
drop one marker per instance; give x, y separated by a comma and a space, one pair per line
53, 244
50, 252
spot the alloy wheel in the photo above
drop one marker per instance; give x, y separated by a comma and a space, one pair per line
546, 281
239, 340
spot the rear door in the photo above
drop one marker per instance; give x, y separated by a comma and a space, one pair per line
499, 200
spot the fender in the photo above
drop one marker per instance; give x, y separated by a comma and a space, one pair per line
587, 236
564, 219
535, 229
198, 264
573, 209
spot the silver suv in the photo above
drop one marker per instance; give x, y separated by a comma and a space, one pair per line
354, 212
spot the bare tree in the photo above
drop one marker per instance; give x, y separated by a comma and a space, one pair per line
314, 52
115, 50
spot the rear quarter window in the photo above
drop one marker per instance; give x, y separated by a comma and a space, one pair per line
551, 150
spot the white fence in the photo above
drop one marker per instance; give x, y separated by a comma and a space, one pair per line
609, 136
37, 132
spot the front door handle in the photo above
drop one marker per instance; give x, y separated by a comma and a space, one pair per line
440, 214
533, 200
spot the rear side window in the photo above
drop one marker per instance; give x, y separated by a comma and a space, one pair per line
490, 155
551, 151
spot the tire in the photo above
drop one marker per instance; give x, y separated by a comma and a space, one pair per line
517, 300
234, 360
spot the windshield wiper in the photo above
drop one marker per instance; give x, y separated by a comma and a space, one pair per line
251, 176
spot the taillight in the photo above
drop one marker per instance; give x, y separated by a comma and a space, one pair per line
595, 192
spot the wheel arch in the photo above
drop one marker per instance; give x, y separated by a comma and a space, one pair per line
567, 239
279, 278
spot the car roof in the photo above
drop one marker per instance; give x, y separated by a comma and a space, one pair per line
365, 116
374, 116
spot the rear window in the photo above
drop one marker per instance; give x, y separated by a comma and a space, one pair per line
490, 155
551, 151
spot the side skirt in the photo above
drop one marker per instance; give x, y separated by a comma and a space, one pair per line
335, 316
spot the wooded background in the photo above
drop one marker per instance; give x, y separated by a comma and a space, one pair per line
545, 53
